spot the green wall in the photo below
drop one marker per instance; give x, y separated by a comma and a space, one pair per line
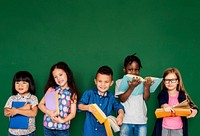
35, 34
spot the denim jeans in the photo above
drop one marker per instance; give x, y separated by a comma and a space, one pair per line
31, 134
129, 129
54, 132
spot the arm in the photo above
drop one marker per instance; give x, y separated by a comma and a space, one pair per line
43, 108
123, 97
147, 84
70, 116
193, 107
84, 107
26, 110
167, 108
120, 116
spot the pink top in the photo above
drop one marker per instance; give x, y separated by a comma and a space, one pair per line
172, 122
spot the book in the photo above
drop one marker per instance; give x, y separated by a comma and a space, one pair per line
108, 128
160, 113
109, 122
51, 101
99, 114
18, 121
139, 89
113, 123
181, 109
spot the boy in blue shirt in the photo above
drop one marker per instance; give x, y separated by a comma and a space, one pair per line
104, 99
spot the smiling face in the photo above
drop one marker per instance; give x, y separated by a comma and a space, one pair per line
171, 82
133, 68
60, 77
22, 87
103, 82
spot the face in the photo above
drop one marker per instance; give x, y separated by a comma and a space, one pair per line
22, 87
133, 69
171, 81
60, 77
103, 82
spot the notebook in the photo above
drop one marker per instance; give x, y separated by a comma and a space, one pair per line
51, 101
18, 121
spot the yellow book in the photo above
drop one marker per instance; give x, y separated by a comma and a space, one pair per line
108, 121
108, 128
160, 113
99, 114
181, 109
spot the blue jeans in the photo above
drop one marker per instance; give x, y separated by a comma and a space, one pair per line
137, 129
31, 134
54, 132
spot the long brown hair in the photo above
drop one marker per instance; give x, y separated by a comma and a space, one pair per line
180, 86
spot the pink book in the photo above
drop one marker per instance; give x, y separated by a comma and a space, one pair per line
51, 101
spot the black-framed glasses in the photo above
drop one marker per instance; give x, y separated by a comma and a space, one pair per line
167, 81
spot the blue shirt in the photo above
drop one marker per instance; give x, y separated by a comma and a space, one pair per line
107, 103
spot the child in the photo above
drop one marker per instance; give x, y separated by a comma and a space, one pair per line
23, 90
173, 92
104, 99
135, 107
62, 81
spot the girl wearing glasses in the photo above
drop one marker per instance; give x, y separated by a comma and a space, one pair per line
173, 93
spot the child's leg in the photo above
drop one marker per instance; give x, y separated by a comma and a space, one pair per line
48, 132
126, 130
140, 130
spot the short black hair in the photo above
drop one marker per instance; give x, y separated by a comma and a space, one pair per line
24, 76
129, 59
105, 70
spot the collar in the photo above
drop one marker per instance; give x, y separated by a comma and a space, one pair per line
105, 94
27, 96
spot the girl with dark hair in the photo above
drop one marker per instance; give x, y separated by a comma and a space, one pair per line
61, 81
23, 90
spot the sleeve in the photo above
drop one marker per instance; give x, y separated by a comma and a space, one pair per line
9, 103
162, 97
192, 104
117, 106
85, 98
34, 101
117, 91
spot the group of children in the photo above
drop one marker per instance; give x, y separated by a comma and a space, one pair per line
130, 112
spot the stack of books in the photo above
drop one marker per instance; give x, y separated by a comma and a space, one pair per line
182, 109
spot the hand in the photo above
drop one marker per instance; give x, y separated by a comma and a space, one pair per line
12, 112
148, 82
52, 114
193, 114
167, 108
119, 119
135, 81
59, 120
90, 109
26, 106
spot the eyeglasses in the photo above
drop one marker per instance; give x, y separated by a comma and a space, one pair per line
167, 81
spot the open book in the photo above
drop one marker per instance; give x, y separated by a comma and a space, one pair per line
113, 123
51, 101
109, 122
182, 109
19, 121
139, 89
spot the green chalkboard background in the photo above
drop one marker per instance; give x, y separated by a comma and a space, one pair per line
86, 34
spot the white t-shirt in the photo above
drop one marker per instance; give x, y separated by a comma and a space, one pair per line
135, 107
